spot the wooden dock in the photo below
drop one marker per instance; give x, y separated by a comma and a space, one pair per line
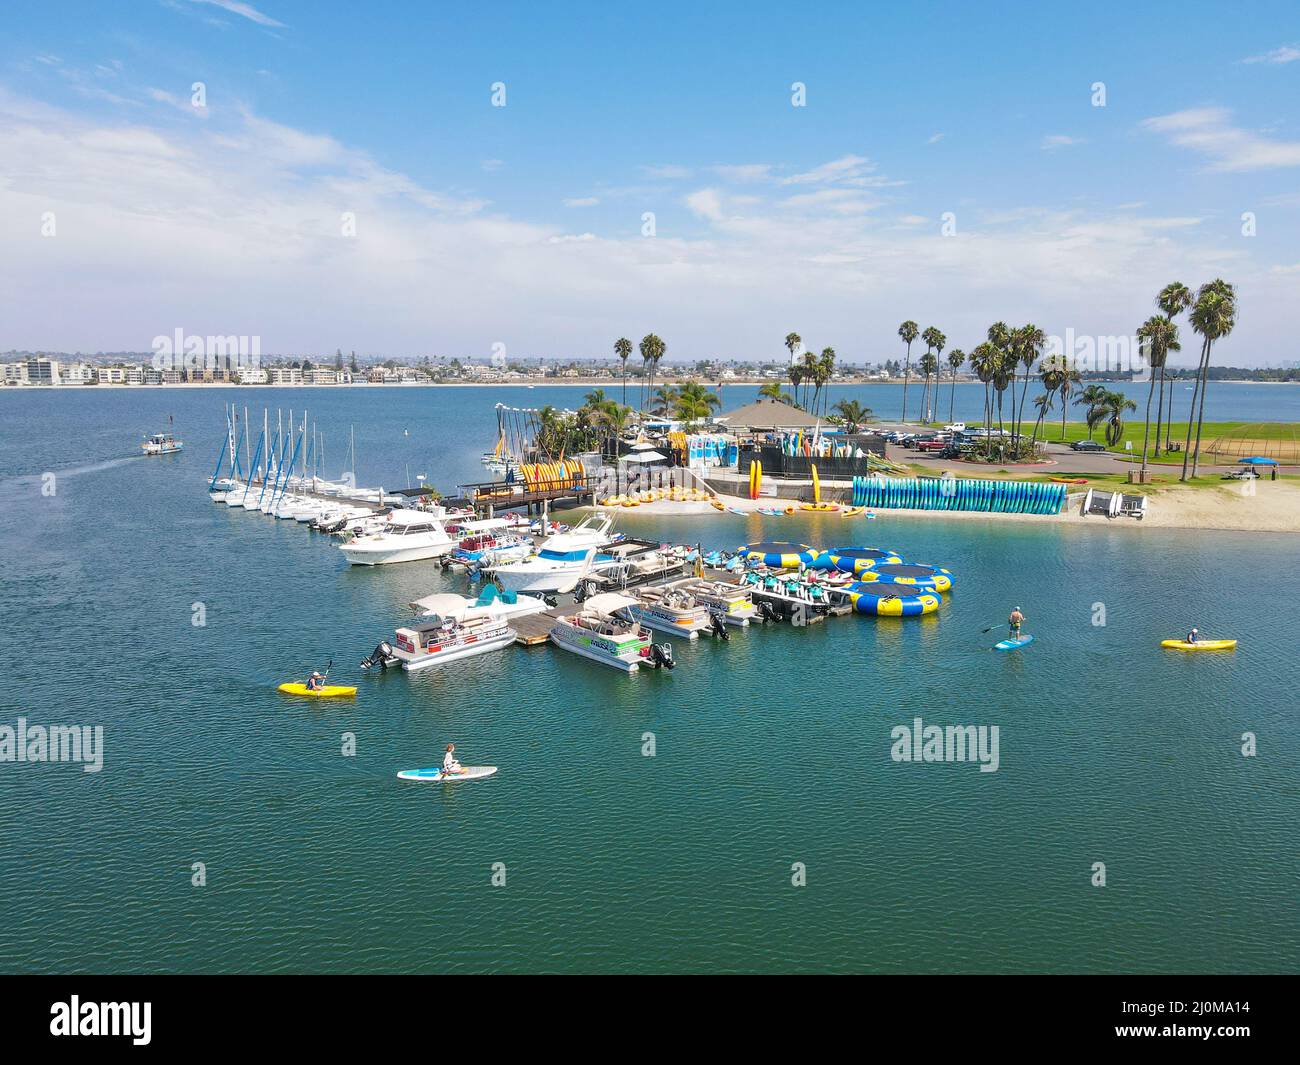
533, 630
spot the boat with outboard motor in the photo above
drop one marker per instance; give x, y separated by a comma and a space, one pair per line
406, 536
677, 612
603, 630
161, 444
732, 602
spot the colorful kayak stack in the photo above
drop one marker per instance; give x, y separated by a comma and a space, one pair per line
952, 493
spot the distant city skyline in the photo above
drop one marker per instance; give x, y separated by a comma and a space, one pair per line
414, 180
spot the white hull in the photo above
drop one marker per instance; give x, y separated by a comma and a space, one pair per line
534, 581
595, 656
690, 631
360, 556
496, 643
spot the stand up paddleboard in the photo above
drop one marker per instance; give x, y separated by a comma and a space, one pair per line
1012, 644
435, 775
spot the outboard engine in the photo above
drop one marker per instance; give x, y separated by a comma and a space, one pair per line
381, 656
767, 612
549, 600
661, 656
582, 592
719, 626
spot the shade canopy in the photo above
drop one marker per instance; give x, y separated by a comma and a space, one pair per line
643, 456
1258, 460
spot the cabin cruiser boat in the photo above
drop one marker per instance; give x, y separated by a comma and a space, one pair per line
675, 611
407, 536
161, 444
731, 602
603, 629
562, 560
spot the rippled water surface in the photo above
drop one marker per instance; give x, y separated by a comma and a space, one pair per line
772, 749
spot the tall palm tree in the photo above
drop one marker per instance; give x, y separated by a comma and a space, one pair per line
984, 361
955, 359
796, 376
809, 367
1158, 336
853, 413
1213, 317
792, 343
1044, 403
1069, 378
909, 332
623, 349
1173, 299
1028, 342
652, 350
825, 370
929, 366
934, 344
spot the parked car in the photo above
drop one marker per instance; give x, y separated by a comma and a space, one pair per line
955, 427
1088, 445
932, 443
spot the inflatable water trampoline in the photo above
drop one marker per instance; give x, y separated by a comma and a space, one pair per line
779, 554
855, 559
920, 577
887, 599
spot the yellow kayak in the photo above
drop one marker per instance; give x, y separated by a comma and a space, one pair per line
1199, 645
330, 691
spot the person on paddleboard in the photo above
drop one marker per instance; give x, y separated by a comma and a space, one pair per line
1013, 623
449, 763
1193, 636
315, 682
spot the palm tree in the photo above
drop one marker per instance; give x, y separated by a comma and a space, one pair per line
792, 342
665, 399
853, 413
1028, 341
623, 349
1213, 317
909, 332
773, 390
809, 373
694, 402
1158, 336
1068, 379
934, 342
1091, 397
825, 370
1044, 404
796, 375
1173, 299
929, 366
955, 359
1112, 408
652, 350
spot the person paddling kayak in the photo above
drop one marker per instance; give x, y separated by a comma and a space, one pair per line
449, 764
1193, 636
1013, 623
315, 682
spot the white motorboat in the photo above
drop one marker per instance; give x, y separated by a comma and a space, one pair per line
504, 604
456, 627
406, 536
562, 560
161, 444
603, 629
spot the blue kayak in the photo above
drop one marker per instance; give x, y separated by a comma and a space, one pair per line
1012, 644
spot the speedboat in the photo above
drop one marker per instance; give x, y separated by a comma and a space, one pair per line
734, 604
407, 536
562, 560
161, 444
603, 630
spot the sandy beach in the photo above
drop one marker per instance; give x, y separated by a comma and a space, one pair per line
1274, 507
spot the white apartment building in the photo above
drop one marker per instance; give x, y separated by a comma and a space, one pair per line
42, 372
285, 375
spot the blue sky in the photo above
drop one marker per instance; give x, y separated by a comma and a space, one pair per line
523, 224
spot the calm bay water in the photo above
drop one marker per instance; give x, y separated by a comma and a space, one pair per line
771, 749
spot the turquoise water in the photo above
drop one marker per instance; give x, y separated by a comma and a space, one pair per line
772, 749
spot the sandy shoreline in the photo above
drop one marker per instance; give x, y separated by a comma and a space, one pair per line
1275, 507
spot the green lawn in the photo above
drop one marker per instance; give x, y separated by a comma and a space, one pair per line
1051, 433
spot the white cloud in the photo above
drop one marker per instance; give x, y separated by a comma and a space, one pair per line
582, 201
245, 10
706, 203
1059, 140
935, 138
492, 165
745, 173
1209, 130
1288, 53
668, 171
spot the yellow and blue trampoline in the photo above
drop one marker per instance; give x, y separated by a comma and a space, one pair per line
920, 577
890, 600
855, 559
779, 554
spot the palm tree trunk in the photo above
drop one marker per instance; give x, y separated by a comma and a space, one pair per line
952, 395
1191, 413
1160, 408
1146, 428
907, 373
1200, 414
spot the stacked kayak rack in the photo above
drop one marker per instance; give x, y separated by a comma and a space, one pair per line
951, 493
